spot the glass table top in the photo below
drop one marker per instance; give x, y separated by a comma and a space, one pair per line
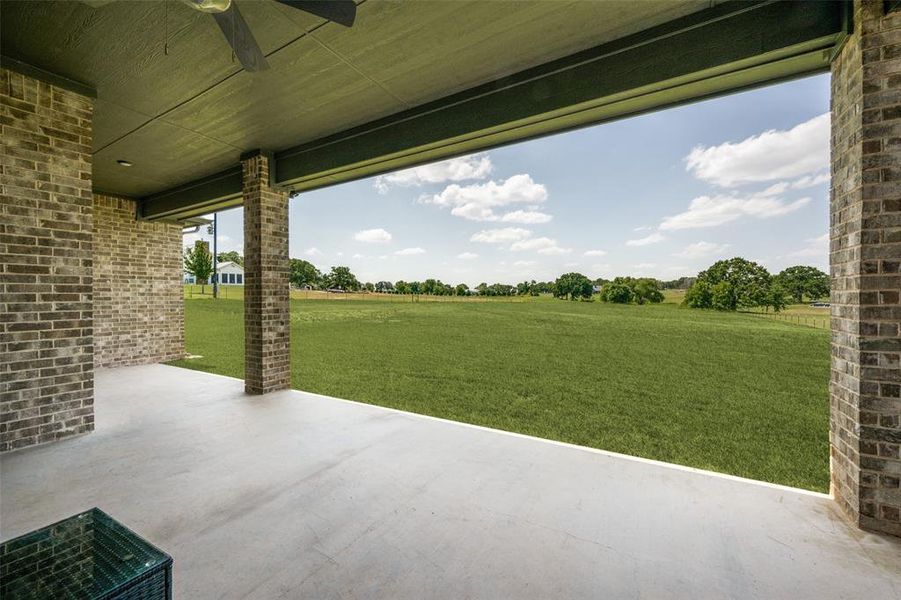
89, 555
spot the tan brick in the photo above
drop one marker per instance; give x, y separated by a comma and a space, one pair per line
137, 283
866, 308
266, 299
46, 211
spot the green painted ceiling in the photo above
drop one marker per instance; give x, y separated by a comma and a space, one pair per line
192, 112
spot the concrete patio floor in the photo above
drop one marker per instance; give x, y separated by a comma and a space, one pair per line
294, 495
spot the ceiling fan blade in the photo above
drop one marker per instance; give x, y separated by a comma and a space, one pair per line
240, 38
342, 12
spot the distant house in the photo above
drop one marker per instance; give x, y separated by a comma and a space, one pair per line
230, 273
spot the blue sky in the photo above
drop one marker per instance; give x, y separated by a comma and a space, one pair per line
664, 195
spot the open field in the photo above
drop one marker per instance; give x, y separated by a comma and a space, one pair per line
733, 393
236, 292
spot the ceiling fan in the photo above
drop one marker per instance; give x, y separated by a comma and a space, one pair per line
239, 36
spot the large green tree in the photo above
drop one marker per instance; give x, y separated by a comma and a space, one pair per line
616, 292
623, 290
647, 290
304, 274
341, 278
731, 284
430, 287
199, 262
699, 295
573, 286
800, 281
230, 256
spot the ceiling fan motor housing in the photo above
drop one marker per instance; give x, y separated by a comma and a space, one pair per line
209, 6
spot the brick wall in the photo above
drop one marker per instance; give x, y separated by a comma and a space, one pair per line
138, 299
266, 298
865, 257
46, 336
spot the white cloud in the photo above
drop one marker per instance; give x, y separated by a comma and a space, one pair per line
527, 217
701, 249
777, 189
478, 201
541, 245
678, 271
189, 239
799, 184
224, 243
409, 252
502, 235
570, 265
474, 166
314, 251
771, 155
654, 238
810, 181
523, 263
643, 228
706, 211
373, 236
467, 256
646, 269
595, 253
817, 247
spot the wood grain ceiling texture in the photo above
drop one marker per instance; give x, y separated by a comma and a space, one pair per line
173, 101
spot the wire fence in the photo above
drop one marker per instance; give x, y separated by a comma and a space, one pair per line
400, 298
806, 320
195, 291
236, 292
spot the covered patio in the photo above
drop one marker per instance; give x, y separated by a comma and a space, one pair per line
122, 121
294, 495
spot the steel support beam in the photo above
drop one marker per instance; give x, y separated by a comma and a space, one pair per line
723, 49
216, 192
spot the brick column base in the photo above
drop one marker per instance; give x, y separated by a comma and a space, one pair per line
267, 316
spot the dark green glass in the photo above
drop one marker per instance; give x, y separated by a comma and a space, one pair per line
89, 555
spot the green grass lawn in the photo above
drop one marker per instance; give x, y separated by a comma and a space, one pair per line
728, 392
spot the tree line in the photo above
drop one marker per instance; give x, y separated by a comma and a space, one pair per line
305, 275
730, 284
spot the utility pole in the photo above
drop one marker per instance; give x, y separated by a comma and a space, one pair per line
215, 257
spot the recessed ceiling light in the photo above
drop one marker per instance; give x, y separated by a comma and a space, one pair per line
124, 163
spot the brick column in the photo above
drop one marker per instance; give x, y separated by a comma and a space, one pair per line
865, 255
266, 307
46, 217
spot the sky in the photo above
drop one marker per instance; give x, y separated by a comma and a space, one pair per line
662, 195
